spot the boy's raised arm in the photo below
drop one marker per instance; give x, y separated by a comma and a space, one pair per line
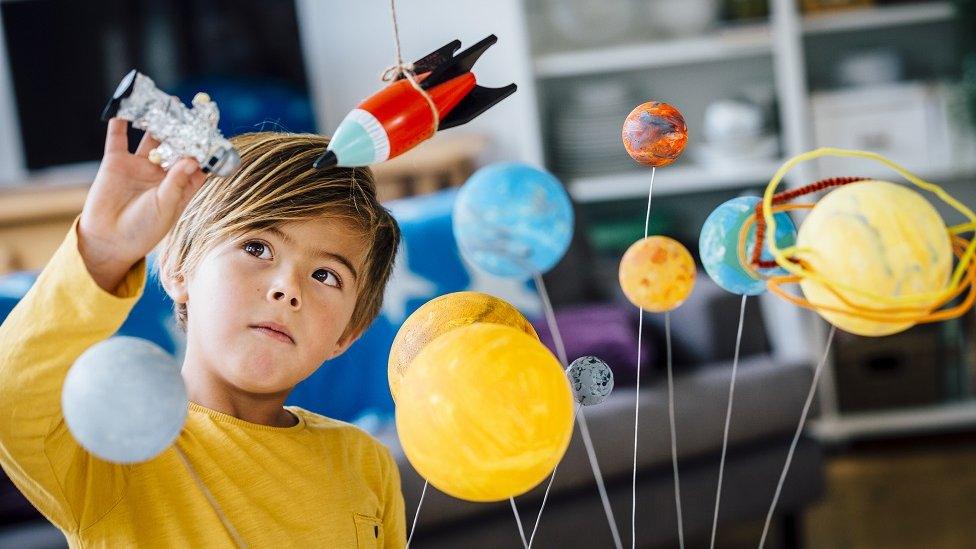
82, 297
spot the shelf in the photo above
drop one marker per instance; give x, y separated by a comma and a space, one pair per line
749, 40
913, 420
735, 42
879, 17
690, 179
670, 180
938, 175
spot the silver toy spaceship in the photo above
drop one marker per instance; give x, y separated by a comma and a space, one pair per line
179, 130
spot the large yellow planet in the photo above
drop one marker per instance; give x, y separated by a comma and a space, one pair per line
877, 237
657, 273
443, 314
485, 412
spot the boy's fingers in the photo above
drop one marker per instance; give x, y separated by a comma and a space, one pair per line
117, 137
198, 178
147, 144
178, 185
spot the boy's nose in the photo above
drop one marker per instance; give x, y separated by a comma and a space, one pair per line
278, 295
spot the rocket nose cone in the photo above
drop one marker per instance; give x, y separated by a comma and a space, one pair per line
327, 160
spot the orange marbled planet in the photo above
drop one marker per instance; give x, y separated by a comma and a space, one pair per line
655, 134
657, 273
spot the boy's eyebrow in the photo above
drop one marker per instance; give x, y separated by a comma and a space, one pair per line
318, 253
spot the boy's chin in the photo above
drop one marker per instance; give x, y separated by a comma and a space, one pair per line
260, 379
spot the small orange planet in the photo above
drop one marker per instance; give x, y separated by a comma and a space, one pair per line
657, 273
655, 134
441, 315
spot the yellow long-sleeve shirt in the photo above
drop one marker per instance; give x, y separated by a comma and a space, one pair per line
321, 483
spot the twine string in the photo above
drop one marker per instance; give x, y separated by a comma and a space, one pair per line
408, 71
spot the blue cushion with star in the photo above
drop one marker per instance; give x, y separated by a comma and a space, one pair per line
151, 318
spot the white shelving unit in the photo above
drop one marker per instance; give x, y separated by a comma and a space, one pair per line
796, 334
781, 38
777, 42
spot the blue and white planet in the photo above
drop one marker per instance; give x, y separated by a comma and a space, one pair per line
513, 220
719, 242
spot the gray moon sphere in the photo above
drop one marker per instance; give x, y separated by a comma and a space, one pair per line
124, 400
592, 380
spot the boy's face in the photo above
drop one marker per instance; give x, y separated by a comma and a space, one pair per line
301, 277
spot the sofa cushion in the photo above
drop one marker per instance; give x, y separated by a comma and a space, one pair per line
151, 318
604, 330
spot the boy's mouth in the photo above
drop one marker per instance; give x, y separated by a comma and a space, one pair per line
273, 330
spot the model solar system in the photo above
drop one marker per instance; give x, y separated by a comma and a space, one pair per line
485, 411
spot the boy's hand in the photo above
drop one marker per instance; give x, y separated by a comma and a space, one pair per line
131, 206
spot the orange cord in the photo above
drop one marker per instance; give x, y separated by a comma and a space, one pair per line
786, 196
883, 314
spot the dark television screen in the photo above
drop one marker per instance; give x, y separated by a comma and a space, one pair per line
66, 58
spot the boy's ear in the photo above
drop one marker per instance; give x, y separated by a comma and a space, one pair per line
344, 343
176, 288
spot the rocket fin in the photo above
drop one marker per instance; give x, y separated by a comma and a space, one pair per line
435, 58
476, 102
459, 64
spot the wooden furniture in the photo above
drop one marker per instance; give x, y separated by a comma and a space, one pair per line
445, 161
33, 222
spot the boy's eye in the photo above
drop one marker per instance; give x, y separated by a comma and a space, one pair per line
257, 248
327, 277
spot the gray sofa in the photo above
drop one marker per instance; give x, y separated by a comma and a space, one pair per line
768, 401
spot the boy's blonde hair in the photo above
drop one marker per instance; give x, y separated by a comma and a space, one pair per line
277, 184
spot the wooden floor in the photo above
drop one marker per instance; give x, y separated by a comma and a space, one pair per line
918, 493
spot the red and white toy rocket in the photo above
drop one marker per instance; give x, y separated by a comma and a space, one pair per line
398, 117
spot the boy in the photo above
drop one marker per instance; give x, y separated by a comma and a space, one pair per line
272, 271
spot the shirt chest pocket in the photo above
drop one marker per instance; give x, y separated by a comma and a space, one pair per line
369, 532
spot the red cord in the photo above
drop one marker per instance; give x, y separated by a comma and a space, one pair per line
786, 196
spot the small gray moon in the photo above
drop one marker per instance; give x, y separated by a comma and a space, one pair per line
592, 380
